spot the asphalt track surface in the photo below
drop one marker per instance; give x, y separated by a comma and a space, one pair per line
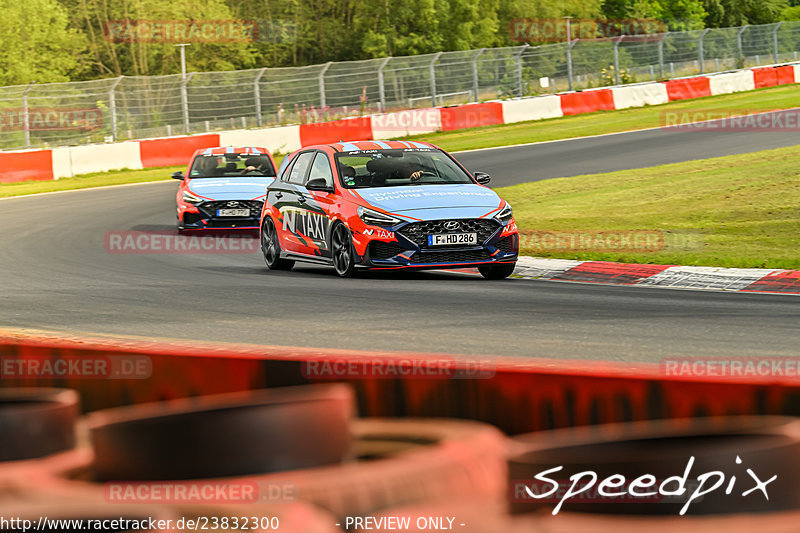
55, 274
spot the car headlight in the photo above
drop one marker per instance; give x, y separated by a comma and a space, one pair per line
191, 198
374, 218
505, 214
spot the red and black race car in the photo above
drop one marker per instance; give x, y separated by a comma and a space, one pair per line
387, 205
224, 187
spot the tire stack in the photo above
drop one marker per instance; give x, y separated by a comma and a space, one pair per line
304, 438
766, 445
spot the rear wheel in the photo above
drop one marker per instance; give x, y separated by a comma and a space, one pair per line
501, 271
271, 248
343, 252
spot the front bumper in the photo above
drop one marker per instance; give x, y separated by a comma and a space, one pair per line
409, 249
204, 216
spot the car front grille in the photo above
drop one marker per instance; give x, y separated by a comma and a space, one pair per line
463, 256
210, 208
384, 250
508, 244
418, 232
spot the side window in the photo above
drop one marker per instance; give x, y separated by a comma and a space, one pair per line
298, 172
321, 169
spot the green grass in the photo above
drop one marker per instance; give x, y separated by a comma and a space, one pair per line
600, 122
734, 211
98, 179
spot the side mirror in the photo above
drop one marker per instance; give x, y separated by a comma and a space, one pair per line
318, 184
482, 177
177, 175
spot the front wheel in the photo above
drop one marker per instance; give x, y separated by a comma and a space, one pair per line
271, 248
343, 252
501, 271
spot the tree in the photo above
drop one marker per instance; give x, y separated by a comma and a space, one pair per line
37, 44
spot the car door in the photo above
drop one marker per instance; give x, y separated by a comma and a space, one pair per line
283, 195
316, 206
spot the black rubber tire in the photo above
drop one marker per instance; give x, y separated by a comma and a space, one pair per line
271, 247
36, 422
500, 271
224, 435
343, 252
767, 445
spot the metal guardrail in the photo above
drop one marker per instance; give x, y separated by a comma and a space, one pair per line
130, 107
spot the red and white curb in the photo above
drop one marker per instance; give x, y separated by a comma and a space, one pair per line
664, 276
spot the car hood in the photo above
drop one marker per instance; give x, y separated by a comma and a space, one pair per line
430, 202
244, 188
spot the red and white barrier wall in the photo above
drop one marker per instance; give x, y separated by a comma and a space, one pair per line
149, 153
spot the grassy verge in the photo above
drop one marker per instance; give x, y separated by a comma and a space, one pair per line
611, 121
99, 179
735, 211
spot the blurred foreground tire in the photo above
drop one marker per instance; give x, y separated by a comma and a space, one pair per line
224, 435
36, 422
766, 445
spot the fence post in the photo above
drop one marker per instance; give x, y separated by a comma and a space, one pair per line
112, 108
433, 77
739, 43
700, 56
616, 60
570, 44
185, 102
661, 54
381, 89
257, 96
26, 115
519, 69
325, 68
475, 86
775, 42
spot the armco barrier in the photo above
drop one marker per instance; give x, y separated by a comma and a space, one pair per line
537, 108
517, 395
587, 101
34, 165
639, 95
351, 129
471, 116
148, 153
173, 150
731, 82
688, 88
772, 76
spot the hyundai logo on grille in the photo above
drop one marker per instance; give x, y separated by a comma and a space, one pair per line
233, 204
452, 224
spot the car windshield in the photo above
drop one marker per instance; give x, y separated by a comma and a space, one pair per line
231, 166
398, 167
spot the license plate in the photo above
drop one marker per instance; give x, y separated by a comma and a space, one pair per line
453, 239
233, 212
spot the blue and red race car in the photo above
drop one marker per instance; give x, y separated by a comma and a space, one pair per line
387, 205
224, 187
